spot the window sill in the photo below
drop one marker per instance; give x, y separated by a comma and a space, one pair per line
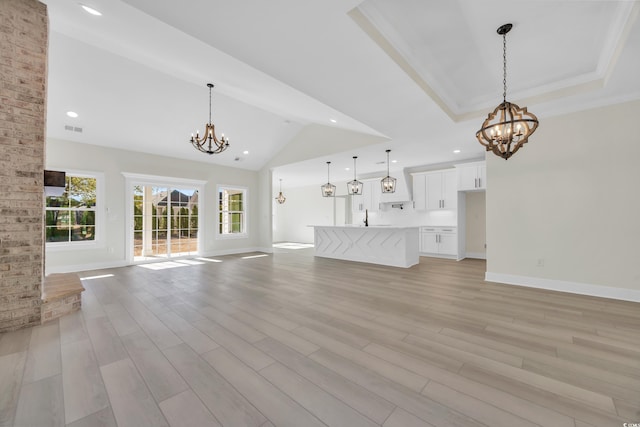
232, 236
74, 246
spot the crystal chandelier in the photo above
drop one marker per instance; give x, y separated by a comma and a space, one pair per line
328, 189
508, 127
388, 183
281, 199
209, 143
354, 187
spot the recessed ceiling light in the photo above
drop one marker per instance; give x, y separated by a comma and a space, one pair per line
394, 161
333, 121
456, 151
90, 10
245, 152
72, 114
346, 169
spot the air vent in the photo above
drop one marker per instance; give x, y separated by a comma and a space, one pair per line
238, 159
73, 128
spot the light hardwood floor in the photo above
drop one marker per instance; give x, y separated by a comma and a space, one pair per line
291, 340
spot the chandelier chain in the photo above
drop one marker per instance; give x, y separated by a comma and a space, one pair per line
210, 104
504, 67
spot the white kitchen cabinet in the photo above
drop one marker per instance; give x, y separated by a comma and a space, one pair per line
439, 241
369, 199
420, 192
442, 192
472, 176
435, 190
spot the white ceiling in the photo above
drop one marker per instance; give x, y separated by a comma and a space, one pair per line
421, 73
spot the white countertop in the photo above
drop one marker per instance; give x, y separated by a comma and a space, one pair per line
363, 226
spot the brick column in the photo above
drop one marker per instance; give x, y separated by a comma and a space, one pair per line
24, 30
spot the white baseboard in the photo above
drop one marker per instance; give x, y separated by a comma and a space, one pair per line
476, 255
565, 286
237, 251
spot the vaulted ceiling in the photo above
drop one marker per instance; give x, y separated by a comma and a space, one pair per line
416, 76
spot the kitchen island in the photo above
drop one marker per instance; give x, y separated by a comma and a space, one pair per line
395, 246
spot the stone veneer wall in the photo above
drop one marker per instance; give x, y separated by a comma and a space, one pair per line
24, 31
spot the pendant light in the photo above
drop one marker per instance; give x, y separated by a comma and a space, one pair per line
508, 127
281, 199
388, 183
209, 143
354, 187
328, 189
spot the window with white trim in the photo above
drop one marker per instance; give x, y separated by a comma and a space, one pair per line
71, 218
232, 204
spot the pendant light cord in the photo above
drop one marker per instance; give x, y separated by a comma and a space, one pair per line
210, 104
504, 67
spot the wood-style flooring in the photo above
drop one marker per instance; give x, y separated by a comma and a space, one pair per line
287, 339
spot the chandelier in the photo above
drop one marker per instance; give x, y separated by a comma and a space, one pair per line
354, 187
209, 143
388, 183
281, 199
508, 127
328, 189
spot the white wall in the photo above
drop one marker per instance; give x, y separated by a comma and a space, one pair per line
476, 229
304, 206
63, 155
569, 197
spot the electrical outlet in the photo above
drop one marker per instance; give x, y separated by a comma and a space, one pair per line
540, 262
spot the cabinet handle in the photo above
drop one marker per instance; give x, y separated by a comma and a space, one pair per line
479, 182
475, 183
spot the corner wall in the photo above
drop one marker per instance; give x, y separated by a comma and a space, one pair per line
24, 28
563, 212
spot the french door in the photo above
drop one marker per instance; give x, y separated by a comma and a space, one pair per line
164, 217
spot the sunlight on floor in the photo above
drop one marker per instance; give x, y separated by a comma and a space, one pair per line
292, 245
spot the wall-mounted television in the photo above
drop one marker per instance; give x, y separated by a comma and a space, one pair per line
54, 183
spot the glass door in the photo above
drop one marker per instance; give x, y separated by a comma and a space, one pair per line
165, 222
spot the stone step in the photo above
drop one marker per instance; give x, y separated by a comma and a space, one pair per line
61, 294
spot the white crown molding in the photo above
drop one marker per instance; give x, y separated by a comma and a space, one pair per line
624, 294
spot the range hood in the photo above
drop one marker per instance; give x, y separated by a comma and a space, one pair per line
404, 189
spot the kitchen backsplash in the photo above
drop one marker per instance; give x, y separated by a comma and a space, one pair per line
407, 216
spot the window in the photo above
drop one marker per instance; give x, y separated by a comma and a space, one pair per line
72, 216
232, 211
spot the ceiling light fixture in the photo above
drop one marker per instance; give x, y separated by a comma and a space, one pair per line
456, 151
328, 189
245, 152
209, 143
354, 187
388, 183
281, 199
508, 127
91, 10
72, 114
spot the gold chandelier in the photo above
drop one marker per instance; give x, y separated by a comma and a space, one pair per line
281, 199
508, 127
209, 143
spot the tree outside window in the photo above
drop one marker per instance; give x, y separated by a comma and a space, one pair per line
231, 211
72, 216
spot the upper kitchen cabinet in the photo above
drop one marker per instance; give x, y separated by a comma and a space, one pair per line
369, 199
435, 190
472, 176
